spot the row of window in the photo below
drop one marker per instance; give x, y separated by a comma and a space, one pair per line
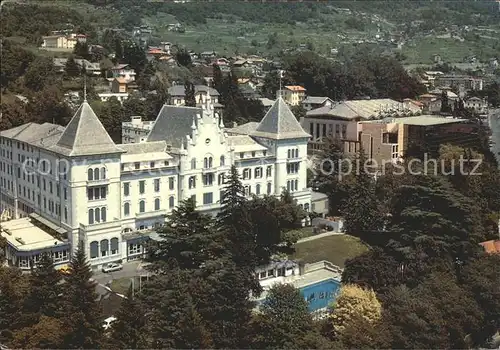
247, 172
292, 185
97, 215
104, 248
96, 174
242, 154
208, 180
208, 162
142, 186
293, 153
292, 168
142, 205
322, 132
152, 164
95, 193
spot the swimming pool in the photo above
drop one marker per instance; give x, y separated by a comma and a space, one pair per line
320, 294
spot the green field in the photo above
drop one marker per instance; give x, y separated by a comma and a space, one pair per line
451, 50
236, 36
335, 249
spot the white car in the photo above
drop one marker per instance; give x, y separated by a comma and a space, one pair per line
112, 267
107, 322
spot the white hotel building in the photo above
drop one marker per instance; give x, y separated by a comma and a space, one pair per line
64, 185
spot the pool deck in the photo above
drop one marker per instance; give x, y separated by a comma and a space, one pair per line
313, 273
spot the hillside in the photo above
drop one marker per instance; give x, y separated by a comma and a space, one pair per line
416, 29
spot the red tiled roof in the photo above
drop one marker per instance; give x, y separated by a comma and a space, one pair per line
491, 247
295, 88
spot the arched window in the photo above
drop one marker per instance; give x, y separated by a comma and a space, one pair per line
126, 209
114, 246
296, 153
205, 162
193, 163
142, 207
220, 179
222, 161
289, 153
269, 188
96, 174
97, 215
90, 175
157, 203
257, 189
91, 216
103, 214
94, 249
296, 185
210, 162
103, 173
171, 202
104, 247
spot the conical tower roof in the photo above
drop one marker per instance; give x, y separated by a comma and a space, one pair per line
85, 135
279, 123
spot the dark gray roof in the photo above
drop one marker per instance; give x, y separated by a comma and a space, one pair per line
40, 135
315, 99
173, 124
144, 147
280, 123
85, 135
244, 129
178, 90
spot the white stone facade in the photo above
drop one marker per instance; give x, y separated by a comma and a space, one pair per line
110, 197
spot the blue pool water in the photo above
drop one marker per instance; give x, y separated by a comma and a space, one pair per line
319, 295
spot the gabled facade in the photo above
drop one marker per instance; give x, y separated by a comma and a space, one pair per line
111, 197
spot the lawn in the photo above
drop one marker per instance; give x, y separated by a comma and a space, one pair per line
335, 249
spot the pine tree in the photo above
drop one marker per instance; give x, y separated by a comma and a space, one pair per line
127, 331
218, 78
189, 237
45, 290
284, 322
72, 69
362, 210
234, 219
173, 321
445, 105
189, 94
82, 315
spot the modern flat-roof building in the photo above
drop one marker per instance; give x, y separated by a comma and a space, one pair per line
30, 237
340, 120
109, 196
388, 140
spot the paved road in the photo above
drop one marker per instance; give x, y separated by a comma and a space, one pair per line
130, 269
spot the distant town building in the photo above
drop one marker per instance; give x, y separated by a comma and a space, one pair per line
292, 94
136, 130
313, 102
466, 82
476, 104
62, 41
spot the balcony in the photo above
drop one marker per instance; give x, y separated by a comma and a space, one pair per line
97, 182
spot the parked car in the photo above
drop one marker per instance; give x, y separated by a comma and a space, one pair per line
107, 322
112, 267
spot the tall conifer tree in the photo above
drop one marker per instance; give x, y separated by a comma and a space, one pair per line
80, 306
